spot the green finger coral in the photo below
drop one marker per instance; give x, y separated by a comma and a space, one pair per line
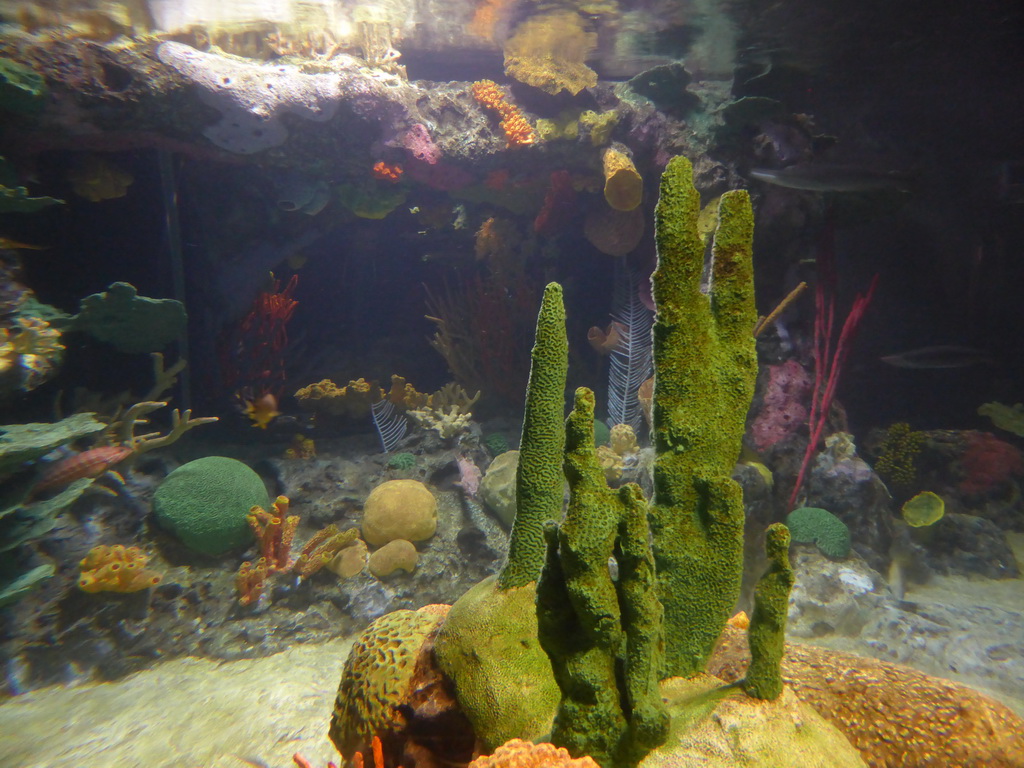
767, 634
585, 617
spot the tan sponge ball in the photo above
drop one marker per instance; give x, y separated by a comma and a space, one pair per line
399, 509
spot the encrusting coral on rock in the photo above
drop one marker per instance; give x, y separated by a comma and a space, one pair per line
895, 716
518, 132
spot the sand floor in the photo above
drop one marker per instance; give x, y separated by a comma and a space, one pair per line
184, 713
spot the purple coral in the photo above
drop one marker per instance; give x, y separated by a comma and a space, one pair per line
783, 411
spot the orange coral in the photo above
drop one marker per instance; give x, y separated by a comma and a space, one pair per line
404, 395
486, 17
274, 532
387, 172
518, 131
116, 569
517, 753
250, 580
322, 548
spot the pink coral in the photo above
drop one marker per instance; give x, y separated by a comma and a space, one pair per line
419, 144
988, 463
783, 410
469, 476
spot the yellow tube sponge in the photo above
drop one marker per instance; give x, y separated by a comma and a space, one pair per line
116, 569
623, 185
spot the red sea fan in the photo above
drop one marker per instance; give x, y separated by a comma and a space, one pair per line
988, 463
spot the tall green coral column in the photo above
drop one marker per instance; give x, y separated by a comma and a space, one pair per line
539, 478
705, 368
488, 643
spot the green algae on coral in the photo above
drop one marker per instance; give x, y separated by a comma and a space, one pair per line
488, 647
767, 634
611, 708
706, 366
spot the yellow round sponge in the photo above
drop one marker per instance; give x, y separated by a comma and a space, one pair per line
399, 509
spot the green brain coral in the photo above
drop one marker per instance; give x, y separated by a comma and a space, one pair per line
402, 461
814, 525
205, 504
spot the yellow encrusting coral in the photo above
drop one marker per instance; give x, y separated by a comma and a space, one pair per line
116, 569
549, 51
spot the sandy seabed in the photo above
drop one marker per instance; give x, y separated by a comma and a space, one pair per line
184, 713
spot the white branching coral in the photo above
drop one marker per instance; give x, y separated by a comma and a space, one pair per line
449, 422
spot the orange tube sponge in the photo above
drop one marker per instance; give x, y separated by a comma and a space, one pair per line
116, 569
518, 131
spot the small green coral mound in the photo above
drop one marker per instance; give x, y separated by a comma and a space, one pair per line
814, 525
129, 322
925, 509
205, 504
402, 461
496, 443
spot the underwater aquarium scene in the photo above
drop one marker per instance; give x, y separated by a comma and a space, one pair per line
511, 384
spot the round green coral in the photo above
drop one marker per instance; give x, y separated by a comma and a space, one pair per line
205, 504
814, 525
496, 443
403, 460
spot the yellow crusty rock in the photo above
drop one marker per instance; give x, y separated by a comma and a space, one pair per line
350, 561
549, 51
719, 726
896, 716
397, 555
399, 509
